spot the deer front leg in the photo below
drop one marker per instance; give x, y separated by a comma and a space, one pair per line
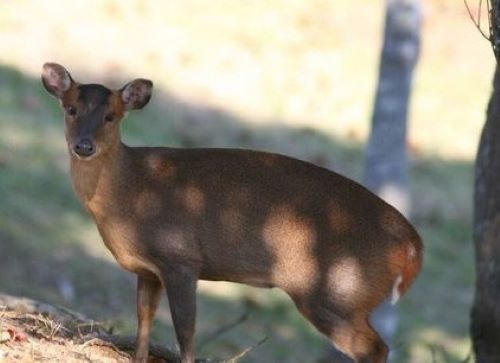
181, 284
148, 297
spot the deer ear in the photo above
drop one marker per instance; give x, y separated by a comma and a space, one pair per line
136, 94
56, 79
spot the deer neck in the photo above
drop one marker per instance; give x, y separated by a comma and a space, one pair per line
94, 180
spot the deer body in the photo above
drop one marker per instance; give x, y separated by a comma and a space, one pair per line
174, 216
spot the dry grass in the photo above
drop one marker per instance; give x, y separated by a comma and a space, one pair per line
35, 337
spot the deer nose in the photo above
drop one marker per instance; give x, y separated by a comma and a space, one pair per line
84, 147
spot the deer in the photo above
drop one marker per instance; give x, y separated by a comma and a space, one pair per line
174, 216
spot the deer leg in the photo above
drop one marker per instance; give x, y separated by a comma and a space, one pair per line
360, 341
148, 297
181, 284
353, 336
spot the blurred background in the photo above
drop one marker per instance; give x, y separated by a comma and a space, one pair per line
291, 76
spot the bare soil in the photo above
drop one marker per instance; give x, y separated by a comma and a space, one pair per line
35, 332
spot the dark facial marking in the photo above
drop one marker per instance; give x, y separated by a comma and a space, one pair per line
94, 94
93, 102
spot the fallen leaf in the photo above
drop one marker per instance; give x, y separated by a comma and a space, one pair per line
17, 335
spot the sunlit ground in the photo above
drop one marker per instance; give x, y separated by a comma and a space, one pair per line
292, 76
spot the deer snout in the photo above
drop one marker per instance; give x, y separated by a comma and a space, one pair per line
84, 147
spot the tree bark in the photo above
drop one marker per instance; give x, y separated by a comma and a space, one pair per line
386, 169
485, 314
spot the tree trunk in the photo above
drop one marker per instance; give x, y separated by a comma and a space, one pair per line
386, 169
485, 314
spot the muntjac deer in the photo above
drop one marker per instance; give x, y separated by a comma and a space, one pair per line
175, 216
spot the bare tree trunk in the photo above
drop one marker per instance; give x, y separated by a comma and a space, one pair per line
386, 170
485, 314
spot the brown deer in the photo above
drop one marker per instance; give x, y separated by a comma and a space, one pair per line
175, 216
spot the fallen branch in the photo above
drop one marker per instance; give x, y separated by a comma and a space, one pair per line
247, 350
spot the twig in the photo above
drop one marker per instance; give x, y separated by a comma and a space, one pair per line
53, 327
223, 329
90, 325
479, 12
477, 23
106, 343
247, 350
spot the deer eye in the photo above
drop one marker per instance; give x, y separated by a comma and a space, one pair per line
71, 110
109, 117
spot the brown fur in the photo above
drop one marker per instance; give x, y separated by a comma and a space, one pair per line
173, 216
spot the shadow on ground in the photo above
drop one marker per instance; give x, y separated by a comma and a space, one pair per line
49, 249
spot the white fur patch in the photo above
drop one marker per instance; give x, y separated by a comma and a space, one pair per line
395, 290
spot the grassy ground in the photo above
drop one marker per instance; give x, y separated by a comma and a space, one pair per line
295, 77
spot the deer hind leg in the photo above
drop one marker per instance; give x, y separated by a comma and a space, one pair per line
353, 336
360, 341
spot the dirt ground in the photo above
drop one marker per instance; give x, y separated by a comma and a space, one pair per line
32, 331
35, 332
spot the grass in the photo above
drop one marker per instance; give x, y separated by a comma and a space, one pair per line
295, 77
